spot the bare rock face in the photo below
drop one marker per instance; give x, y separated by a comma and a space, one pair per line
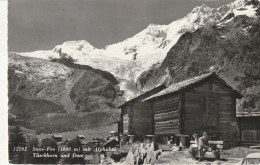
231, 48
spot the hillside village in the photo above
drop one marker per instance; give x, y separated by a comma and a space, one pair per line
125, 104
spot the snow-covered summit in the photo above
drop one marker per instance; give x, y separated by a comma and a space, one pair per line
78, 45
203, 9
83, 46
158, 39
241, 7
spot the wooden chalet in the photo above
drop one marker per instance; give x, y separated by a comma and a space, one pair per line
57, 138
249, 126
136, 115
203, 103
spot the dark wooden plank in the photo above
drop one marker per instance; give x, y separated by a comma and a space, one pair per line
225, 113
163, 101
168, 121
168, 105
195, 105
174, 100
167, 132
166, 126
167, 109
167, 118
172, 113
156, 119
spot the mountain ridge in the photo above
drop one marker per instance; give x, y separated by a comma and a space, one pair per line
144, 49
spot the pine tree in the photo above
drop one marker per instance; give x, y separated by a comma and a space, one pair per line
33, 142
16, 139
47, 142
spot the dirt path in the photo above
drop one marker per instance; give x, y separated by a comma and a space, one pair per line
183, 157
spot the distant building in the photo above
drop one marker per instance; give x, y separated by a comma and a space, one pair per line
113, 143
249, 125
67, 141
81, 137
113, 133
57, 138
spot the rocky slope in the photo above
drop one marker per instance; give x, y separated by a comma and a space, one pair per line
230, 48
40, 90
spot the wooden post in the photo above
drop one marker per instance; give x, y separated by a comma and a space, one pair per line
121, 120
118, 130
131, 139
182, 139
181, 112
122, 140
154, 139
152, 119
151, 138
131, 119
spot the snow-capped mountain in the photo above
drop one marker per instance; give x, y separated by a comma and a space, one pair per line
128, 59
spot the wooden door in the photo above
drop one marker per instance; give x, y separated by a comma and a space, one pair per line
209, 113
141, 118
212, 113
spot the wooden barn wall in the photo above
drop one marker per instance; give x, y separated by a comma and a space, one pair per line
126, 112
249, 129
224, 105
141, 118
166, 115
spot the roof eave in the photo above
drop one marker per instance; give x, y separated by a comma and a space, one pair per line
214, 75
162, 86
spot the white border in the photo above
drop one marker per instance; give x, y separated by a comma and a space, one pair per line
3, 84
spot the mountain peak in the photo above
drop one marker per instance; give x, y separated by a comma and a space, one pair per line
70, 46
203, 8
77, 43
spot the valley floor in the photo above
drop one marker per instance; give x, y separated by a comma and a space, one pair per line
89, 134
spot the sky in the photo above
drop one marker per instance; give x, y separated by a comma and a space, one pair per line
43, 24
